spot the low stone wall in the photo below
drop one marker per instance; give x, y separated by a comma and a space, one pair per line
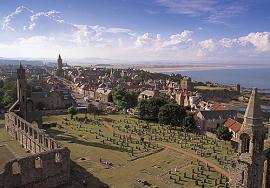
49, 166
54, 112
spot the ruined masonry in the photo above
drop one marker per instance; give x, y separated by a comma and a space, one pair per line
49, 166
251, 167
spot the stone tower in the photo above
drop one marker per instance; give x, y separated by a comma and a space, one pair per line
21, 91
24, 106
59, 63
247, 170
59, 70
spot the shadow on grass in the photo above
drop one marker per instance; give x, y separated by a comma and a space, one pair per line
63, 136
81, 178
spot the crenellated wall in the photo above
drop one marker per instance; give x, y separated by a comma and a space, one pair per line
49, 166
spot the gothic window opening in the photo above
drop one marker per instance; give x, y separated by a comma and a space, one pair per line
16, 168
58, 158
245, 143
38, 162
243, 177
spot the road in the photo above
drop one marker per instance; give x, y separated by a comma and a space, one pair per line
77, 97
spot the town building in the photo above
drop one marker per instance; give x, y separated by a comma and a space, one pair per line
103, 95
234, 127
147, 94
186, 84
211, 120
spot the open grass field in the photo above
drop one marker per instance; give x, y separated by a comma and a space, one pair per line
102, 158
217, 151
208, 88
9, 148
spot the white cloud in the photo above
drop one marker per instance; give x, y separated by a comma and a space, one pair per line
52, 14
81, 40
261, 41
179, 40
207, 44
213, 11
6, 23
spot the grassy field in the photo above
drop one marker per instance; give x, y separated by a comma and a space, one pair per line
9, 148
217, 151
208, 88
102, 158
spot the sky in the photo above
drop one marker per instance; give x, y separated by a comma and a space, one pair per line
233, 31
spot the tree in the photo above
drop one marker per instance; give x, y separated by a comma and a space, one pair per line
123, 98
149, 109
189, 123
171, 114
223, 133
72, 111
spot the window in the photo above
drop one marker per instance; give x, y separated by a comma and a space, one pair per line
38, 163
245, 143
16, 168
58, 158
243, 177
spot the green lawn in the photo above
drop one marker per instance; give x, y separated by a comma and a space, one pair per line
209, 88
9, 148
91, 142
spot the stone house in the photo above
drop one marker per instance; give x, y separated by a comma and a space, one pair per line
234, 127
147, 94
54, 99
211, 120
103, 95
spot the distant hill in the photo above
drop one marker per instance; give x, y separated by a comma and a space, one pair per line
17, 62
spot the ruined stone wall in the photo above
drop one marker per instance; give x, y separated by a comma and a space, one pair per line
49, 166
31, 138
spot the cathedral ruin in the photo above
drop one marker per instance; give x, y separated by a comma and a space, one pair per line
49, 166
251, 167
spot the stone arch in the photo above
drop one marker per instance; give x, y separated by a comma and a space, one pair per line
38, 162
245, 143
16, 168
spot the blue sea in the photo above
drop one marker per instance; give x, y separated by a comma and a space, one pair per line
247, 77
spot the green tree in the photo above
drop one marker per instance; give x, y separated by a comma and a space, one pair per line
171, 114
223, 133
189, 123
123, 98
72, 111
149, 109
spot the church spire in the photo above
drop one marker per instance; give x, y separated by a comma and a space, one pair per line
253, 114
21, 67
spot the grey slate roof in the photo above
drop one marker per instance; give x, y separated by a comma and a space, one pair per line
219, 114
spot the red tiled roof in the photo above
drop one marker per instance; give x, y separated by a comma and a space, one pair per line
233, 125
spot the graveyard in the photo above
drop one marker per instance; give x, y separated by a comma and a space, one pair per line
108, 148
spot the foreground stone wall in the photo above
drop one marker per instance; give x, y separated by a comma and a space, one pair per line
49, 166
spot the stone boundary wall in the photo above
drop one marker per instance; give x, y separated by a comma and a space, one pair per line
54, 112
49, 166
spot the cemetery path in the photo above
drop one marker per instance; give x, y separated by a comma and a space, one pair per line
178, 150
